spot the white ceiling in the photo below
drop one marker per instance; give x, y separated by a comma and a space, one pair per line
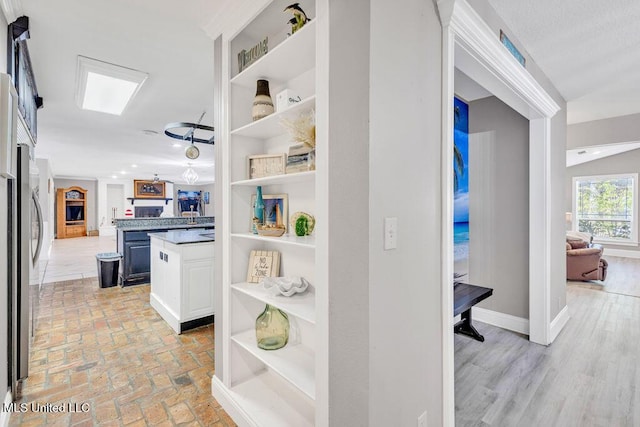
594, 152
163, 38
466, 88
589, 49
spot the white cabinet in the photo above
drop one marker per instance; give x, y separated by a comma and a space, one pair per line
182, 283
259, 387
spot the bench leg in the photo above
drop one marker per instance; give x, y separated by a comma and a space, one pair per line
465, 327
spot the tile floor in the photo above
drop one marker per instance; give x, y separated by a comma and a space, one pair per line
108, 351
72, 259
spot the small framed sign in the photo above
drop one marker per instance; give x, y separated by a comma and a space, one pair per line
263, 264
511, 48
266, 165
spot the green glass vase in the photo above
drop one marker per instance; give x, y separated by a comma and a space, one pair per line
272, 329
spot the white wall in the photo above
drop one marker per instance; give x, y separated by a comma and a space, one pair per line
499, 205
405, 182
4, 312
4, 300
342, 212
104, 213
103, 209
47, 198
606, 131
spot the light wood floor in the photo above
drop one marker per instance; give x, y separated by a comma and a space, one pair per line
73, 259
623, 277
588, 377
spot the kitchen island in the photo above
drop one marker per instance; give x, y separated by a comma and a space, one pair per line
134, 245
182, 277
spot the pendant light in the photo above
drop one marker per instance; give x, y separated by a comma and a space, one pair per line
190, 175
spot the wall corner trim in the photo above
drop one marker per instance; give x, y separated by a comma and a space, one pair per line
558, 324
237, 414
5, 415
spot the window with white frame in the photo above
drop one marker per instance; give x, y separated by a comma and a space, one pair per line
606, 207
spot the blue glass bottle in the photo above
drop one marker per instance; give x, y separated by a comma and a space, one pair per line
258, 213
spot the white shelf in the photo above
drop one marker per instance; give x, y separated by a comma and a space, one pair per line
289, 178
295, 363
302, 306
270, 126
263, 399
289, 59
286, 239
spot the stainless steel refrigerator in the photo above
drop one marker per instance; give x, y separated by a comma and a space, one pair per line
21, 229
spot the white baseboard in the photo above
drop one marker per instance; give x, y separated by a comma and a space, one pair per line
5, 416
624, 253
501, 320
559, 323
165, 312
221, 393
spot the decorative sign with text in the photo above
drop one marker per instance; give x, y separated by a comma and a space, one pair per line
248, 57
263, 264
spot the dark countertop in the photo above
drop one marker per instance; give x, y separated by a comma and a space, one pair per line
180, 237
164, 227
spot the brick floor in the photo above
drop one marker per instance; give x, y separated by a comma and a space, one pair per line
108, 351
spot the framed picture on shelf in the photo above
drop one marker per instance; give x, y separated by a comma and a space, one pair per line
263, 264
148, 189
276, 208
266, 165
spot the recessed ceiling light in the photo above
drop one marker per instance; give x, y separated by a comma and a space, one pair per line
597, 152
134, 166
123, 172
105, 87
177, 145
114, 176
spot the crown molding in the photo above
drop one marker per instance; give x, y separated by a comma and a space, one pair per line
12, 9
474, 35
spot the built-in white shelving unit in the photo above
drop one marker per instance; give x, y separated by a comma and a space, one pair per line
286, 61
269, 126
294, 362
287, 239
289, 178
303, 306
258, 387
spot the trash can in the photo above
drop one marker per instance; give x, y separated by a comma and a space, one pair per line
108, 264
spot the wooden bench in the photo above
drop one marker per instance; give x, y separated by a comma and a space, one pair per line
465, 297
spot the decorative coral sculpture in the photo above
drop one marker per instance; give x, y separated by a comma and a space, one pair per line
299, 17
286, 286
302, 129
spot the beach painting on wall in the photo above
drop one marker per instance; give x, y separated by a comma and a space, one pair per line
461, 187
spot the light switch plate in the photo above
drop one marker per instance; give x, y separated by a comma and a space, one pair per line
390, 233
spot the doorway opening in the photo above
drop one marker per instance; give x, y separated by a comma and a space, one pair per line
470, 46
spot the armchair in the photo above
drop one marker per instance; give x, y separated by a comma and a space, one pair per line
584, 261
